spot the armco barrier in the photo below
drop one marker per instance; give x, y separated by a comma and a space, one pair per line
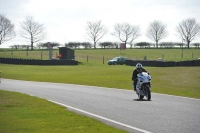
73, 62
163, 63
6, 60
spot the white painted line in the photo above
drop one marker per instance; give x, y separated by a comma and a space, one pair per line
101, 117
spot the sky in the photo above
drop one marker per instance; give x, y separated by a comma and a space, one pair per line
66, 20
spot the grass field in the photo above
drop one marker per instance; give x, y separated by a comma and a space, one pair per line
20, 113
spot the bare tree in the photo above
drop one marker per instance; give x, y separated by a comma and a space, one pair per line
6, 29
95, 31
156, 31
125, 31
187, 30
135, 34
32, 30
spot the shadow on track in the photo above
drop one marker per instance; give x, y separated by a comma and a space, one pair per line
141, 100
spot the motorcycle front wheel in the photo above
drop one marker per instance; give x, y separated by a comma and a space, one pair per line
140, 96
148, 94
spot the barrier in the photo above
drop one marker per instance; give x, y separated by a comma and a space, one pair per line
153, 63
37, 62
163, 63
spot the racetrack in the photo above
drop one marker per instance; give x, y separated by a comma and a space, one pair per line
164, 113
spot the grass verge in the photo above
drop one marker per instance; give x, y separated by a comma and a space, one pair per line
20, 113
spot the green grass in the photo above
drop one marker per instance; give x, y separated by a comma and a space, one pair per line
181, 81
96, 55
20, 113
139, 54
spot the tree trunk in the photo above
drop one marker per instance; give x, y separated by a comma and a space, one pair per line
188, 44
156, 44
31, 42
94, 44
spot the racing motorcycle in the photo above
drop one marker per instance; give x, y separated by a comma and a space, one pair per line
143, 86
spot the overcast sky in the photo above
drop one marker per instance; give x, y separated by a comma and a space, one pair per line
65, 20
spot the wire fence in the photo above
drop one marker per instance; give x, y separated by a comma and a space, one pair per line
44, 55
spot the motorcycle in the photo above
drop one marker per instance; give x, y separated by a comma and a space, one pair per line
143, 86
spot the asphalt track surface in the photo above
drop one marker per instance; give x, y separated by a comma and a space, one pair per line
116, 107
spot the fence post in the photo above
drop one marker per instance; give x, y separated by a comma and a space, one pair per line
41, 55
103, 59
27, 52
87, 58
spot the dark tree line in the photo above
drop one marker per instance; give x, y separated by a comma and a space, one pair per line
47, 45
76, 45
17, 47
104, 45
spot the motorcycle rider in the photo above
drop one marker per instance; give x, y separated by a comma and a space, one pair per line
137, 70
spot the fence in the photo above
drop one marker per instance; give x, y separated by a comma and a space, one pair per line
44, 54
89, 57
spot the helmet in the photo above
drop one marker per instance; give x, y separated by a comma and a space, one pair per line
138, 66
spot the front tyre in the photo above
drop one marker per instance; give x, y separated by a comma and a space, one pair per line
140, 96
148, 93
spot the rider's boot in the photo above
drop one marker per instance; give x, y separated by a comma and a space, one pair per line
134, 88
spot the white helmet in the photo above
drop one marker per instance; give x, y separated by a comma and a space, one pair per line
138, 66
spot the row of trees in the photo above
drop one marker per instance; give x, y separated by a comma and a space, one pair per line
187, 31
103, 45
116, 45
